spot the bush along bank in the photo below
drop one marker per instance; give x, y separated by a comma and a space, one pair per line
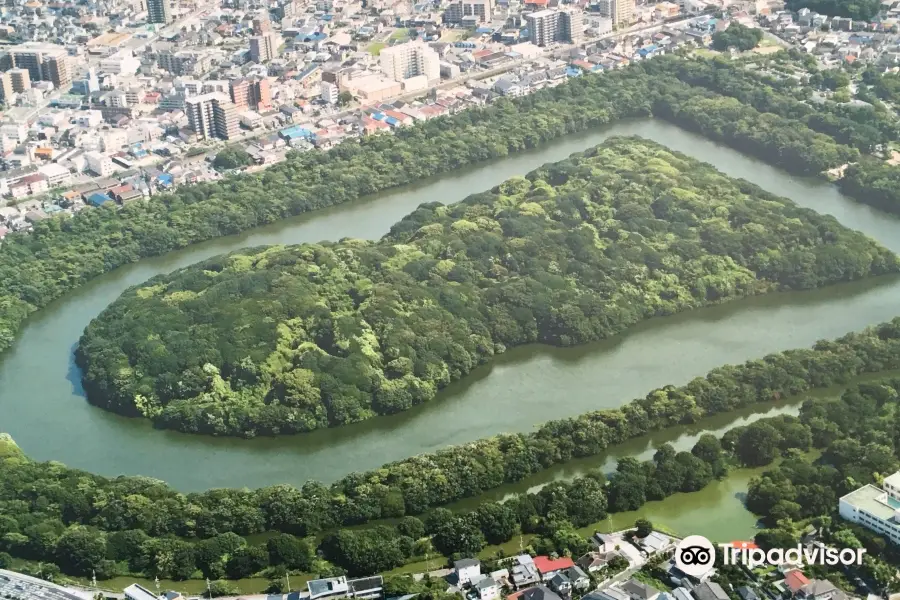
786, 495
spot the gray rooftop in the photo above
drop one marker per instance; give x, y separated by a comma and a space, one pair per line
639, 589
466, 562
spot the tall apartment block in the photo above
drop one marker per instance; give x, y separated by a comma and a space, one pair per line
620, 11
483, 10
44, 62
410, 60
6, 88
158, 11
548, 26
20, 79
250, 94
571, 25
264, 48
261, 25
212, 116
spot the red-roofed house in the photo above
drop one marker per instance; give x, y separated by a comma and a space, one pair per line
371, 126
795, 580
549, 567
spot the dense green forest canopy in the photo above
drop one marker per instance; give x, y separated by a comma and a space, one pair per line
737, 36
860, 10
280, 340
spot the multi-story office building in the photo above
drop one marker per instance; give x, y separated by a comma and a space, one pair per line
875, 508
549, 26
158, 11
264, 48
411, 59
483, 10
44, 62
212, 116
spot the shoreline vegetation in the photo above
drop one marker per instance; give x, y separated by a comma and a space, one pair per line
289, 339
140, 522
71, 522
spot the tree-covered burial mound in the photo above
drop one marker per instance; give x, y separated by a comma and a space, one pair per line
288, 339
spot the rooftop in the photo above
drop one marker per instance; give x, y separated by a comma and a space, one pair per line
872, 500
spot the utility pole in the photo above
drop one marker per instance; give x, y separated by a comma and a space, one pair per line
208, 588
156, 581
94, 578
287, 576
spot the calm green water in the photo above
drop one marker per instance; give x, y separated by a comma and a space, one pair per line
42, 405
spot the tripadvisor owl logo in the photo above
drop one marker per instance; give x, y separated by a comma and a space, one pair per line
695, 555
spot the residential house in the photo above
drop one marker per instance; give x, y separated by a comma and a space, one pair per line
539, 592
609, 593
594, 561
709, 590
638, 590
821, 589
681, 593
524, 572
795, 580
655, 542
747, 593
466, 569
561, 584
548, 567
579, 579
487, 588
508, 87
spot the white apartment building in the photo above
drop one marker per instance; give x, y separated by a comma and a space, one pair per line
875, 508
99, 163
264, 48
14, 131
330, 92
122, 62
411, 60
548, 26
212, 115
55, 174
620, 11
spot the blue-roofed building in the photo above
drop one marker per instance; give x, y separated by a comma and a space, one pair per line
296, 133
573, 72
165, 180
317, 36
98, 199
392, 121
378, 116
